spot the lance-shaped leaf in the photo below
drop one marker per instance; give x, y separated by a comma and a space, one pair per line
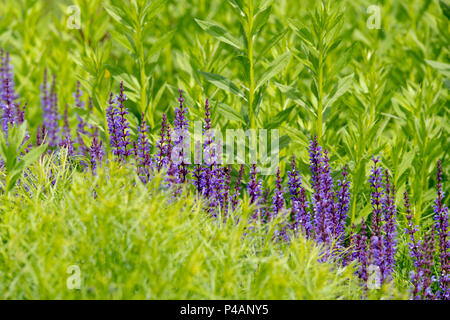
275, 67
295, 96
222, 83
339, 89
228, 112
219, 33
12, 148
442, 67
160, 44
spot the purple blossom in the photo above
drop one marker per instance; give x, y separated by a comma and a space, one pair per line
428, 263
277, 200
389, 227
122, 124
422, 253
323, 201
216, 197
162, 157
237, 189
376, 241
118, 126
441, 219
361, 253
66, 139
49, 102
180, 151
96, 153
11, 110
254, 189
41, 134
343, 199
300, 217
226, 190
111, 113
142, 151
351, 253
7, 95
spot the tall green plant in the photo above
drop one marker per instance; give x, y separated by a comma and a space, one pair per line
133, 27
12, 152
319, 44
253, 16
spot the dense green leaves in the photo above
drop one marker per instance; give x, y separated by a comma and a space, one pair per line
16, 159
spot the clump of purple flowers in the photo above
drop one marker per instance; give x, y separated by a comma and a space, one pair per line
118, 125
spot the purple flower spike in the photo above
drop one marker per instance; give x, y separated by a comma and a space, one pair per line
254, 189
122, 124
66, 139
7, 84
277, 200
441, 219
96, 153
49, 101
389, 227
343, 199
180, 142
226, 191
118, 126
11, 111
162, 157
376, 241
144, 161
111, 113
361, 253
299, 215
323, 201
237, 189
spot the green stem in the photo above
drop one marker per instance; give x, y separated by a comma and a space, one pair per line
252, 71
143, 81
320, 92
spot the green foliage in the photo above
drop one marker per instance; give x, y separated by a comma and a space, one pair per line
12, 151
131, 241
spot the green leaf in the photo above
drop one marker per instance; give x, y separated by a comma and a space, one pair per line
219, 33
228, 112
239, 6
123, 40
30, 157
445, 7
261, 19
270, 43
284, 141
281, 117
339, 89
160, 44
295, 96
443, 68
120, 16
222, 83
274, 68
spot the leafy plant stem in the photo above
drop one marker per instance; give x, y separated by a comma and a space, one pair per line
252, 72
